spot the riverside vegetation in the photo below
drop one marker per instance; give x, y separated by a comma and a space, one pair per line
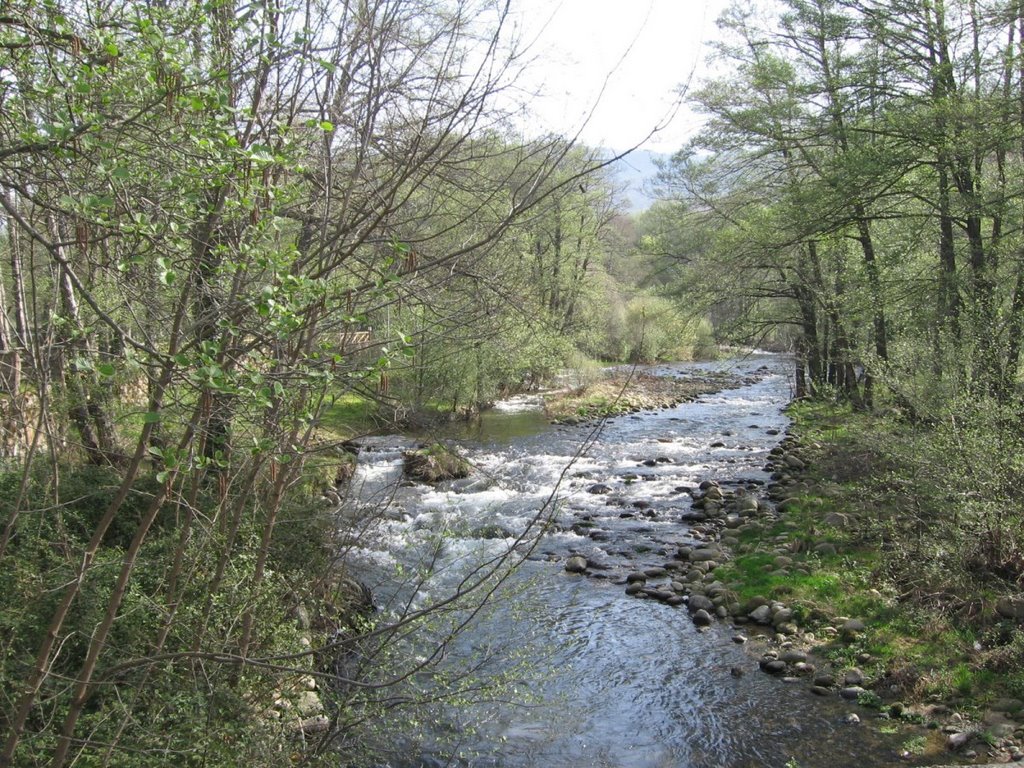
233, 236
228, 228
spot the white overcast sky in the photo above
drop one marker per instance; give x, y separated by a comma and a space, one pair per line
645, 48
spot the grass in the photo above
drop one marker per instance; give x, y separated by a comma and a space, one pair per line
931, 631
349, 415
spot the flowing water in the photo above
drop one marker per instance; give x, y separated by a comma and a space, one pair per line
622, 682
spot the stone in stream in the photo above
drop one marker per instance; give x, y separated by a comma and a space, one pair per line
701, 603
576, 564
599, 488
957, 740
702, 618
793, 656
746, 505
773, 666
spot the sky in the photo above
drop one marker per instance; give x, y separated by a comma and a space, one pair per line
627, 57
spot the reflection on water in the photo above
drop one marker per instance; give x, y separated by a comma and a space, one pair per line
510, 419
625, 682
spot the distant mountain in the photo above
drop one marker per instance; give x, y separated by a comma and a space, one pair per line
636, 171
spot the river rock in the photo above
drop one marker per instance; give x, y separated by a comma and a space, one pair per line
655, 573
762, 614
747, 505
820, 690
957, 740
576, 564
702, 618
852, 719
634, 588
701, 603
793, 656
636, 576
1011, 608
787, 505
714, 493
836, 520
599, 488
853, 676
824, 679
793, 462
781, 616
705, 555
773, 666
659, 594
851, 692
853, 627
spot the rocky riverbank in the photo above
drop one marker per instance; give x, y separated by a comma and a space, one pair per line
631, 391
796, 579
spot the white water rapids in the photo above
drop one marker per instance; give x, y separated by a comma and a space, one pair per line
616, 681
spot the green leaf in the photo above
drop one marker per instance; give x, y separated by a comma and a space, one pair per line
106, 369
326, 126
151, 417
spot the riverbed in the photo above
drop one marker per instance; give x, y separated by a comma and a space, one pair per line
610, 680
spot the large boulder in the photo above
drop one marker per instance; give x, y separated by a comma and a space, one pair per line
434, 463
576, 564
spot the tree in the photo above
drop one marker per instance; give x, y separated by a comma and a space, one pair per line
212, 196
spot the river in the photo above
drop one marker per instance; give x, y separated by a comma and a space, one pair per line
613, 680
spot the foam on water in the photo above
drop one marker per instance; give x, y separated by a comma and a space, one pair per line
625, 682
